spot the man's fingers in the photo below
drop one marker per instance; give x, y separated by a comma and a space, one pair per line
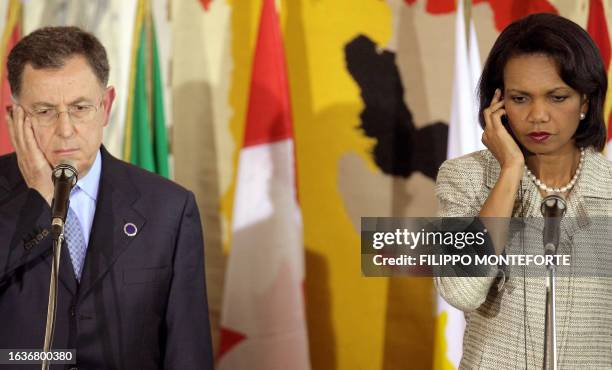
11, 129
29, 140
17, 123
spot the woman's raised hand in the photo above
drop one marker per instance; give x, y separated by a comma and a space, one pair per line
497, 138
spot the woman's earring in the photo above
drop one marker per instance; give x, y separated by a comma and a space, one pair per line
582, 115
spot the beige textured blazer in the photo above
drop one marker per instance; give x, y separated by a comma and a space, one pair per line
505, 319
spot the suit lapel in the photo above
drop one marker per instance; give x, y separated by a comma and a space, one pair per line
114, 209
13, 184
4, 184
66, 271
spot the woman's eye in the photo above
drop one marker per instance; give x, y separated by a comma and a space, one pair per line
559, 98
518, 99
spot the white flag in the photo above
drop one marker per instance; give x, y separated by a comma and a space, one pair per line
464, 136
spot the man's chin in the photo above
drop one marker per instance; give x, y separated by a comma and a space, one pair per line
57, 160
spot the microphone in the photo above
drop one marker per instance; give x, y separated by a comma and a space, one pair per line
64, 177
553, 208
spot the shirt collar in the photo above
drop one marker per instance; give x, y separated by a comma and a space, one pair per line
90, 183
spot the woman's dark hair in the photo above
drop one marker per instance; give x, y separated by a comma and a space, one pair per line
50, 47
578, 61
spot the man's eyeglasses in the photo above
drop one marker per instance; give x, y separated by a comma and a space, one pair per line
79, 114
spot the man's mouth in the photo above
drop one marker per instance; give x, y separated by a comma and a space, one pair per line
65, 151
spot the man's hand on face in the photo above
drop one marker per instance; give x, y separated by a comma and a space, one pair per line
32, 162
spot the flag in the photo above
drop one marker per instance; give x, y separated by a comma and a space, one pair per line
205, 3
464, 133
146, 140
263, 324
10, 37
464, 136
597, 28
112, 22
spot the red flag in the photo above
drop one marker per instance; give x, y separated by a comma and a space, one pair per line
205, 3
263, 324
504, 11
11, 35
597, 27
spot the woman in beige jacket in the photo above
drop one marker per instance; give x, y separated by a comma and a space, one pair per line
541, 106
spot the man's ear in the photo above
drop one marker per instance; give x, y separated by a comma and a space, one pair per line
109, 98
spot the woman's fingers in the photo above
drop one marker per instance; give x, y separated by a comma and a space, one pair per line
496, 104
497, 118
496, 137
496, 98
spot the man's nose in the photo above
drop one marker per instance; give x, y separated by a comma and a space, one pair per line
65, 128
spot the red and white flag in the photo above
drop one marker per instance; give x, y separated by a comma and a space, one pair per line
263, 324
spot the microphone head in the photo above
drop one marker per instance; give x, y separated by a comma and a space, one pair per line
67, 170
554, 205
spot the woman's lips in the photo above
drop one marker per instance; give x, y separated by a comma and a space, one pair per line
539, 137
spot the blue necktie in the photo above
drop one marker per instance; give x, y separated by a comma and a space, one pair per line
76, 242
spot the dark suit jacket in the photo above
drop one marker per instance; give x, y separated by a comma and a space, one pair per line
141, 303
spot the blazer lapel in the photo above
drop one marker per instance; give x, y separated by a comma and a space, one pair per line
114, 209
594, 182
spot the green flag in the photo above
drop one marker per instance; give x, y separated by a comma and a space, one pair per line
146, 140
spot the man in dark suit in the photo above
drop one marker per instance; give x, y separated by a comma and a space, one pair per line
132, 289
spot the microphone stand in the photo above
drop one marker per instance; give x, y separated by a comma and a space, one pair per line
64, 178
52, 305
553, 208
550, 319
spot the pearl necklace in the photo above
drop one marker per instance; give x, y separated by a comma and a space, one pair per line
562, 189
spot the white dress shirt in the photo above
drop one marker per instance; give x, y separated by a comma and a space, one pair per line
84, 195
